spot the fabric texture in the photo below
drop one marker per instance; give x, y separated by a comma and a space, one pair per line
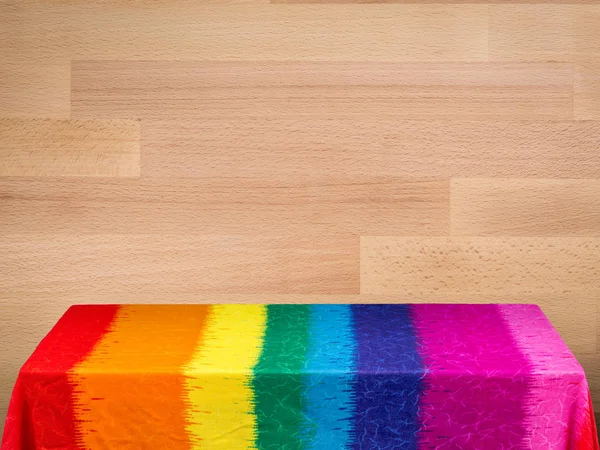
370, 376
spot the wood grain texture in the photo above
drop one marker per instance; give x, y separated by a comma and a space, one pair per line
587, 67
43, 32
520, 32
587, 63
86, 148
562, 32
227, 2
292, 147
119, 3
521, 207
566, 32
175, 263
225, 205
584, 2
587, 89
35, 90
511, 266
586, 32
191, 89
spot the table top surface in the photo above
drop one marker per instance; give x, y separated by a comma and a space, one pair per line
303, 376
373, 338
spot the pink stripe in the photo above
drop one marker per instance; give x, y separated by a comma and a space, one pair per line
558, 401
472, 398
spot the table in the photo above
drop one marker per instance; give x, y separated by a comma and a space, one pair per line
369, 376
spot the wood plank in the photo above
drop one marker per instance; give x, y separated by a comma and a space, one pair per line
120, 3
225, 206
219, 2
524, 32
521, 207
248, 32
587, 67
180, 263
586, 31
28, 88
35, 90
539, 2
587, 89
285, 148
189, 89
562, 32
87, 148
563, 270
10, 22
553, 33
480, 265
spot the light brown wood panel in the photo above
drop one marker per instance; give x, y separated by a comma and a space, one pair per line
427, 1
522, 32
248, 32
521, 207
189, 89
563, 32
35, 90
9, 29
587, 67
586, 31
177, 262
216, 2
377, 146
553, 33
120, 3
465, 266
52, 147
587, 89
225, 206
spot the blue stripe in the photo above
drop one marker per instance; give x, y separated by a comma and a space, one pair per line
389, 379
329, 380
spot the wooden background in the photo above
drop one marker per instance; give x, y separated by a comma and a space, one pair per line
175, 151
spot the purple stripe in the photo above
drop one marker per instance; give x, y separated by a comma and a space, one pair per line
388, 379
472, 398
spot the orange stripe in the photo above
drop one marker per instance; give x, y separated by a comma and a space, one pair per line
130, 389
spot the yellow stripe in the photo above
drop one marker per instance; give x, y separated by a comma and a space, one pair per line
220, 397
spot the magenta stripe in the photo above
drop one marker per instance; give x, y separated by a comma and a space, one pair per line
472, 398
556, 406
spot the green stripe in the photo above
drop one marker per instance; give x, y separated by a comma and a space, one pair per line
277, 381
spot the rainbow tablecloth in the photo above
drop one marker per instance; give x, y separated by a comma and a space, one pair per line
301, 377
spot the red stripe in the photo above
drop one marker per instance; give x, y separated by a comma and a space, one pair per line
41, 414
588, 438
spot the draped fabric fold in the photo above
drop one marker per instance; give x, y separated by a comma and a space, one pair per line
373, 376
